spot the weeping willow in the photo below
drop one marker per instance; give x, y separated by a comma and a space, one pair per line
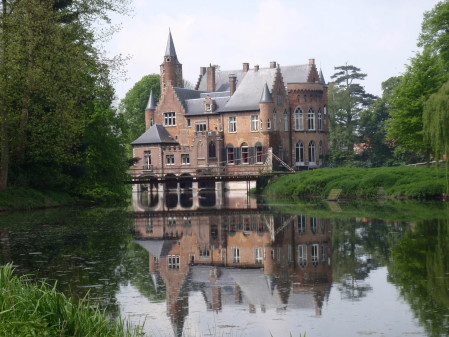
436, 125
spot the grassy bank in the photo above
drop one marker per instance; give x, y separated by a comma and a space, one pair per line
411, 182
26, 198
27, 309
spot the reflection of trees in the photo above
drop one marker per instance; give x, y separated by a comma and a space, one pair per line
420, 267
82, 250
359, 247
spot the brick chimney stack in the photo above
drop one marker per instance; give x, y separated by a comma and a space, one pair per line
210, 78
232, 83
311, 61
245, 67
273, 64
256, 68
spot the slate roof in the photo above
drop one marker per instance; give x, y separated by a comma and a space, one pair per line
170, 50
196, 106
323, 82
156, 134
266, 96
296, 73
151, 105
222, 80
186, 94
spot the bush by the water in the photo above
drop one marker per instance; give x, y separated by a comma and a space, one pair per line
28, 309
413, 182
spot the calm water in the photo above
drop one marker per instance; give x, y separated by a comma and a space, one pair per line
227, 265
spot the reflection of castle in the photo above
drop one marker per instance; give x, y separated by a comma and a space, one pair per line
257, 260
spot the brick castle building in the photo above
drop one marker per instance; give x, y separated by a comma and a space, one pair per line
233, 120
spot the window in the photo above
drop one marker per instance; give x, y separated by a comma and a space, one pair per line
169, 118
259, 154
325, 110
299, 153
170, 159
254, 123
323, 253
208, 107
204, 252
302, 255
311, 118
275, 122
312, 152
245, 154
279, 99
188, 122
151, 121
268, 124
320, 153
235, 254
258, 255
285, 120
313, 225
147, 160
212, 151
315, 254
272, 253
261, 125
299, 120
320, 120
185, 159
200, 126
230, 155
173, 261
232, 124
302, 225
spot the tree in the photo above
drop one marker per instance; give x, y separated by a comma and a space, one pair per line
347, 98
422, 78
436, 124
373, 127
133, 105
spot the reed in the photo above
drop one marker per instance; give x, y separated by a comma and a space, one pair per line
29, 309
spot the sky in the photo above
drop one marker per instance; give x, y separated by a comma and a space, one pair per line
378, 36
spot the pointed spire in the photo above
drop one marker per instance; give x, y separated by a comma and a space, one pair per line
170, 50
322, 81
266, 96
151, 105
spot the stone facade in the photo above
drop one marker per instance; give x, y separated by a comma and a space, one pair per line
231, 118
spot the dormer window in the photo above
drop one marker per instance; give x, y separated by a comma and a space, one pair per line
208, 104
208, 107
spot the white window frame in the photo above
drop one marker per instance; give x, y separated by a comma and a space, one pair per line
232, 124
302, 255
173, 261
315, 254
235, 254
312, 156
320, 120
170, 159
254, 123
169, 118
302, 224
299, 120
247, 154
299, 152
258, 255
311, 120
200, 126
269, 124
185, 159
147, 160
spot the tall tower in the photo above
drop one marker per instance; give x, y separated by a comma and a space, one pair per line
171, 69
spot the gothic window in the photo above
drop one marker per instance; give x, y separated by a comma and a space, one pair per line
269, 124
147, 160
312, 152
302, 255
311, 119
212, 150
299, 153
299, 120
245, 153
320, 120
259, 154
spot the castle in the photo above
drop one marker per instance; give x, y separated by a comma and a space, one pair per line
234, 120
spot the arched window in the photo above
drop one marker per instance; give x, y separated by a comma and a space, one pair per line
259, 153
299, 119
269, 124
281, 151
212, 150
285, 120
312, 152
320, 153
275, 120
245, 153
299, 153
320, 120
230, 154
311, 119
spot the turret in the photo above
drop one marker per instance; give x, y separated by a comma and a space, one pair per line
149, 111
266, 107
171, 69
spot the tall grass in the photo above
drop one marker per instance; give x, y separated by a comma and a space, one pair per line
28, 309
413, 182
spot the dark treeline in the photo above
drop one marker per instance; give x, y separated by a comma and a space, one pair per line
58, 128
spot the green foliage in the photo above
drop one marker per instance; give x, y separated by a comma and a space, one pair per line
22, 198
347, 98
28, 309
413, 182
133, 105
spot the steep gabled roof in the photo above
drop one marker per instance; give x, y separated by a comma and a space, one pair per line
322, 81
295, 74
266, 96
151, 105
156, 134
186, 94
170, 50
222, 80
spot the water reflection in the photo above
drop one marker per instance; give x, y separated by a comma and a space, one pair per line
240, 257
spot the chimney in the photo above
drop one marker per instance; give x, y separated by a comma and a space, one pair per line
273, 64
202, 71
256, 68
232, 83
245, 67
311, 61
210, 79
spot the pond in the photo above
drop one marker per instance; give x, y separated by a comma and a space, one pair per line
224, 264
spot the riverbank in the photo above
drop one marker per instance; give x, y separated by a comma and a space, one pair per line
28, 309
26, 199
389, 182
